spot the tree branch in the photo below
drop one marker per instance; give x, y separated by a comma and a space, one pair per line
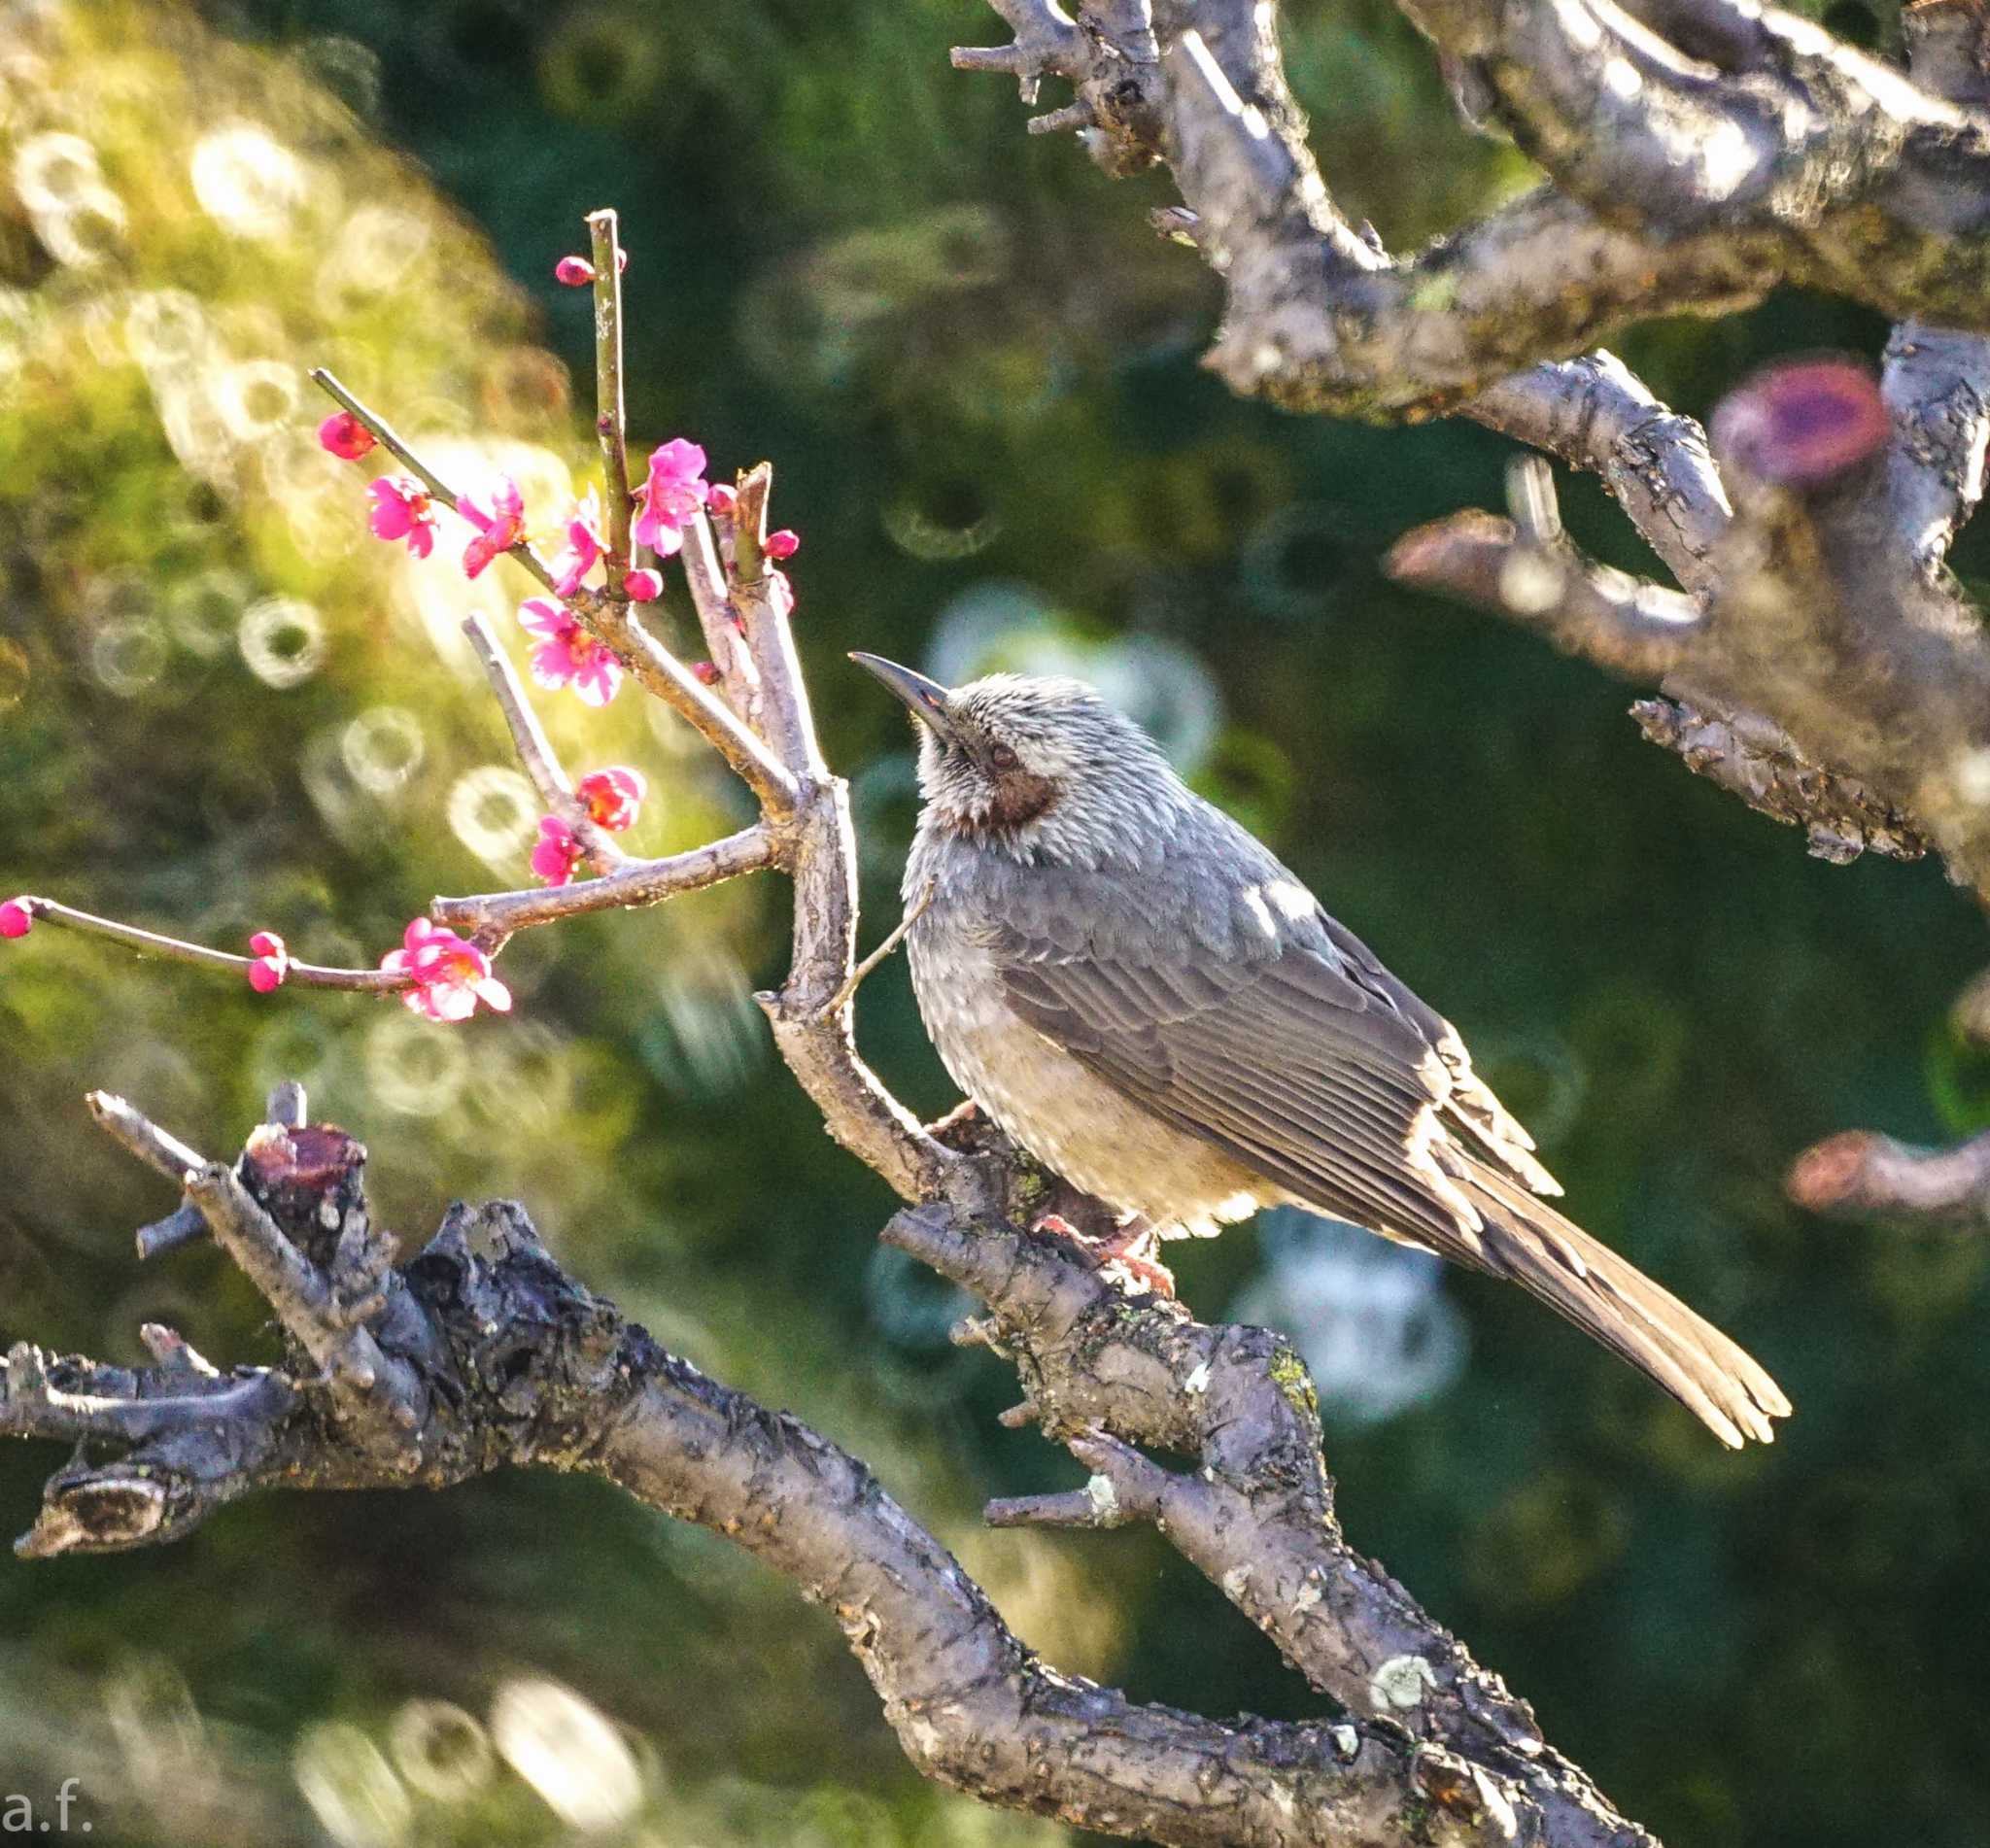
482, 1354
535, 753
1860, 1175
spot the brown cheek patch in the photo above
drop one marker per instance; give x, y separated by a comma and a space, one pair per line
1021, 798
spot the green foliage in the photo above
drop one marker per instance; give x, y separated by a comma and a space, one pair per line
222, 707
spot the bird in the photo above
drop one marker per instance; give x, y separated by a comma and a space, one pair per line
1149, 1002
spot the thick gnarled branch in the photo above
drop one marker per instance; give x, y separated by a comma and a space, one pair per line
481, 1353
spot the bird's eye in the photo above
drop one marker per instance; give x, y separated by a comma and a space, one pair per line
1003, 758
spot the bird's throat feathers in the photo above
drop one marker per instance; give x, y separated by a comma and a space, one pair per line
1041, 772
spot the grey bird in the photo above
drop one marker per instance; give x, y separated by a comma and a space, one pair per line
1140, 994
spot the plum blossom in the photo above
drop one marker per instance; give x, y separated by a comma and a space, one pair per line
556, 854
566, 655
16, 917
613, 797
781, 544
497, 511
402, 510
642, 584
449, 975
584, 544
346, 436
271, 965
722, 500
673, 491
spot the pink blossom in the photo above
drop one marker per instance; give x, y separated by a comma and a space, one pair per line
613, 797
783, 544
402, 510
567, 655
16, 917
346, 436
271, 965
584, 544
556, 854
642, 584
722, 500
449, 975
675, 490
497, 512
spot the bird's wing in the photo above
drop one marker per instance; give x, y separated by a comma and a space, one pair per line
1470, 1100
1282, 1058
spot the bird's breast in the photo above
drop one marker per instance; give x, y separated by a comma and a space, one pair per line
1070, 1121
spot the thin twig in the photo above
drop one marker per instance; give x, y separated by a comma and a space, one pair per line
137, 1134
536, 750
638, 883
373, 982
710, 597
185, 1225
658, 673
609, 415
289, 1106
854, 979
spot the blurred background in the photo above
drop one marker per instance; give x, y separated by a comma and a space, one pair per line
224, 707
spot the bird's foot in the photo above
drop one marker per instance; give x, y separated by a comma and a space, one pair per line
1133, 1248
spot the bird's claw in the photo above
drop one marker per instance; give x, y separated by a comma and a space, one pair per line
1126, 1250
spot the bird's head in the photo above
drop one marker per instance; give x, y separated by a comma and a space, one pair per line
1037, 767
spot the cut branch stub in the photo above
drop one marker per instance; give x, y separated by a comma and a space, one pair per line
1860, 1175
310, 1180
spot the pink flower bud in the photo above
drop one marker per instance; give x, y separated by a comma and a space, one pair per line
576, 272
17, 918
612, 797
1802, 424
643, 586
706, 673
346, 436
783, 544
271, 965
722, 500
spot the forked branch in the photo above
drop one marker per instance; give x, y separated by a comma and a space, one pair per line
480, 1352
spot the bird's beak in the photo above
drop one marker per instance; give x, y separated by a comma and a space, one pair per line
927, 698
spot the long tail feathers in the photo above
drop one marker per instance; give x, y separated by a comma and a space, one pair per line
1610, 1298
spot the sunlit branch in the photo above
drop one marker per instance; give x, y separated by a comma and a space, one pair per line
536, 750
609, 415
636, 883
607, 616
372, 982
